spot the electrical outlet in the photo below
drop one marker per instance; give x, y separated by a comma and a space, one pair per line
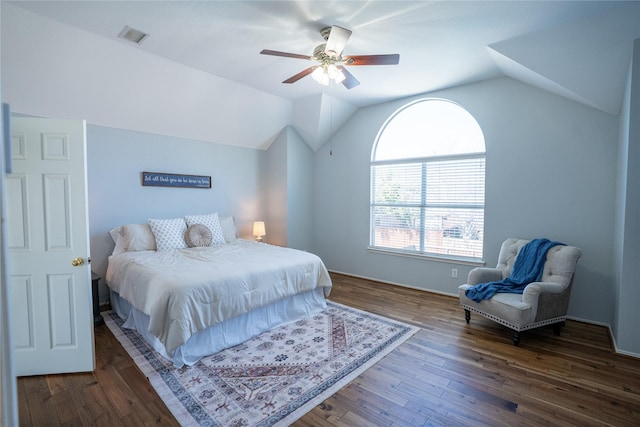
454, 273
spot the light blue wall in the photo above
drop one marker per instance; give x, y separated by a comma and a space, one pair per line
627, 248
621, 191
287, 191
551, 167
300, 192
116, 158
274, 197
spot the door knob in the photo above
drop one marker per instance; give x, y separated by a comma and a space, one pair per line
77, 261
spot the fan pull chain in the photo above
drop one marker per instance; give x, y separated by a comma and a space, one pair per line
331, 126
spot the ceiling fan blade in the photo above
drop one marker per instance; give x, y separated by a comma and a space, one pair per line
391, 59
349, 81
285, 54
301, 74
337, 41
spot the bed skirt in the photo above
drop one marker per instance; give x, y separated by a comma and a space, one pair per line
227, 334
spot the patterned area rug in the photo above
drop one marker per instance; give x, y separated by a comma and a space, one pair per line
274, 378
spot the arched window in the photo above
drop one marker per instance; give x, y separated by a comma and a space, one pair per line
427, 182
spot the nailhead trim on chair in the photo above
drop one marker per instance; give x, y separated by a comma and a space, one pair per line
516, 327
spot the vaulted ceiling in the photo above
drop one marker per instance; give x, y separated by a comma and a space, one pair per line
576, 49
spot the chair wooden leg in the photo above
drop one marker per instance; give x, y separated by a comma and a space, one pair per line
557, 327
516, 338
467, 315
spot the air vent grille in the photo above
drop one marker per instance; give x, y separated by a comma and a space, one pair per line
132, 35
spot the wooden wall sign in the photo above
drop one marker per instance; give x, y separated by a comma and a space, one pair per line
159, 179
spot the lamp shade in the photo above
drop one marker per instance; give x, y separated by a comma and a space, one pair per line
258, 229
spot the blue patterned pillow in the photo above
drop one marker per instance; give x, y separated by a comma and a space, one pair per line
169, 233
212, 222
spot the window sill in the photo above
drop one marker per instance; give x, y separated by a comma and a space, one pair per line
431, 257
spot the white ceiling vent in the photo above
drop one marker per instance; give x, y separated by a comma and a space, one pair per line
132, 35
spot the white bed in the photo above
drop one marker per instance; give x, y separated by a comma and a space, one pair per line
192, 302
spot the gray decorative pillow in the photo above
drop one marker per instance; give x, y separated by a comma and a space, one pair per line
198, 235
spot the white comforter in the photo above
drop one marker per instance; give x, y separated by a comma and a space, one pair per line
184, 291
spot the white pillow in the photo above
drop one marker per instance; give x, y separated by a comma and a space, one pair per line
169, 233
133, 237
228, 228
212, 222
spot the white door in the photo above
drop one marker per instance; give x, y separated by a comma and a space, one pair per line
48, 245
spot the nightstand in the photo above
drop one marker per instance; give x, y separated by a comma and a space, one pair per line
97, 317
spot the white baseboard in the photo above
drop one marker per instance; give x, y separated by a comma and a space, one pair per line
395, 283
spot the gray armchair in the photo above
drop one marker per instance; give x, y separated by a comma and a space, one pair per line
542, 303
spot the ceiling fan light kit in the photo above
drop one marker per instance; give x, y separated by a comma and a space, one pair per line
330, 59
324, 73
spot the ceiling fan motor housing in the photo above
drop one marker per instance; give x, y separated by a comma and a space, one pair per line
322, 56
325, 33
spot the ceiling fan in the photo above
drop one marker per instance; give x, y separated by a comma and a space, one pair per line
330, 60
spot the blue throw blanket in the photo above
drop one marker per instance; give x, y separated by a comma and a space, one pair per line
527, 268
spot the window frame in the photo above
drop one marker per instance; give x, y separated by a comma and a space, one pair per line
423, 205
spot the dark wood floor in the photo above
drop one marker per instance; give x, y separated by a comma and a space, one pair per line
449, 373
